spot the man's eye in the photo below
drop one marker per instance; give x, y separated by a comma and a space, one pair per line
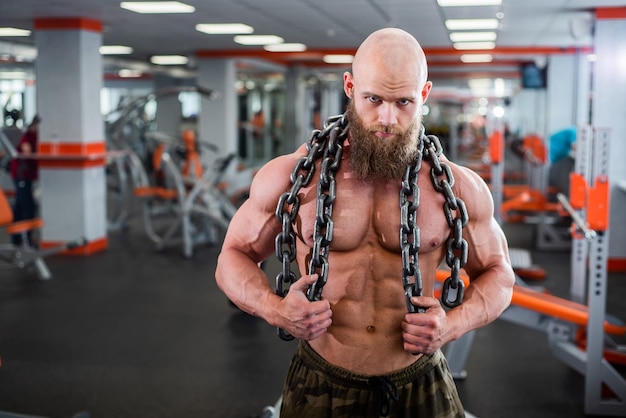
404, 102
373, 99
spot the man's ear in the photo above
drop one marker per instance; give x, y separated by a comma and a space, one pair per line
426, 90
348, 85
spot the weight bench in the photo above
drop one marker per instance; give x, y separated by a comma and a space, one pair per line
26, 255
563, 320
523, 266
185, 213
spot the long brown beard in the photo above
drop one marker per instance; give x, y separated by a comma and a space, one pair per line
380, 159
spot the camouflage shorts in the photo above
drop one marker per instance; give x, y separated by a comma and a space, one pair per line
315, 389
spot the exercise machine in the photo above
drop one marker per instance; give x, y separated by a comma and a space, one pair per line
126, 129
26, 255
565, 320
187, 205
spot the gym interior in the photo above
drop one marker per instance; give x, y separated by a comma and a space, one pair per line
108, 304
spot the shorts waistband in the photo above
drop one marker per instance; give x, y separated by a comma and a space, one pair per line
343, 376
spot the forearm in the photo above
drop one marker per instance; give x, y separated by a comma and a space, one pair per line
485, 299
246, 285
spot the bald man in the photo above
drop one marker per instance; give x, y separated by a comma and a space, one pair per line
361, 352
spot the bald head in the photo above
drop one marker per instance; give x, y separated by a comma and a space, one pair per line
388, 85
391, 50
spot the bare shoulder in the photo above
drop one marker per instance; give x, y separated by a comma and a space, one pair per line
470, 187
273, 179
253, 227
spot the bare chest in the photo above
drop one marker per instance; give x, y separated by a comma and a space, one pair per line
369, 214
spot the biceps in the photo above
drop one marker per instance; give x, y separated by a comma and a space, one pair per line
487, 247
252, 232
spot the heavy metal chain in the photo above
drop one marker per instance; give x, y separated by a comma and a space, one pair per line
328, 144
456, 246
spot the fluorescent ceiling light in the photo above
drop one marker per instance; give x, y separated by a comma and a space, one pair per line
474, 45
472, 24
452, 3
286, 47
157, 7
128, 73
338, 59
224, 28
470, 58
169, 59
115, 50
13, 75
14, 32
472, 36
258, 39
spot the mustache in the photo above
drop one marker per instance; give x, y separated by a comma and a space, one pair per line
387, 129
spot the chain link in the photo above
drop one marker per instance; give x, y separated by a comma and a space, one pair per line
410, 231
328, 145
456, 246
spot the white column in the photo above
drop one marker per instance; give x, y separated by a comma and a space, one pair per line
608, 110
169, 112
561, 92
71, 135
530, 106
217, 122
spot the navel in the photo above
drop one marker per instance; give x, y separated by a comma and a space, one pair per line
371, 328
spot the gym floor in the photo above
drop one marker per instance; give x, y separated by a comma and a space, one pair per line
132, 333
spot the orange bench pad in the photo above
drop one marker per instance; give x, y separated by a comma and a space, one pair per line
549, 305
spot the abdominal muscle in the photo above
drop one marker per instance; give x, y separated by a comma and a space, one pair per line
366, 295
364, 285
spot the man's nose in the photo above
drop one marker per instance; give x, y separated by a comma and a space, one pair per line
387, 114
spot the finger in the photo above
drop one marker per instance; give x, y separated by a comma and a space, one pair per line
424, 302
317, 330
302, 284
321, 309
413, 349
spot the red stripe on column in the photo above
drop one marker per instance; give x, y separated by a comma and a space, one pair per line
611, 13
72, 148
68, 23
71, 155
91, 247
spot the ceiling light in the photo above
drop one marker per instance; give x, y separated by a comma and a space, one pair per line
474, 45
128, 73
169, 59
224, 28
13, 75
472, 24
157, 7
471, 58
287, 47
115, 50
451, 3
338, 59
258, 39
472, 36
14, 32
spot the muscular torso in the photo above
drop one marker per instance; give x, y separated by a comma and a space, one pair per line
364, 284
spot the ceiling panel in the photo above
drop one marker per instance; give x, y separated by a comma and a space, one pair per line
323, 25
